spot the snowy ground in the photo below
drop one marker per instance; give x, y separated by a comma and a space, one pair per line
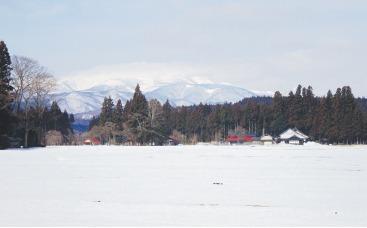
184, 185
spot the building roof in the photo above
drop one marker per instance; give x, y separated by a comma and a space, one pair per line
293, 133
266, 138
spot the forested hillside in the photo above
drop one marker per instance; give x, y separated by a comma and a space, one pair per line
334, 118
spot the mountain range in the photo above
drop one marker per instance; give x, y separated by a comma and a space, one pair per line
86, 103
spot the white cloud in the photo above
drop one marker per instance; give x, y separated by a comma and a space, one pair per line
147, 75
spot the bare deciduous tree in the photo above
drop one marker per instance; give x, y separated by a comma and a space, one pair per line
155, 113
24, 69
42, 84
33, 85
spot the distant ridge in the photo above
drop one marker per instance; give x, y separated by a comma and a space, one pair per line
87, 103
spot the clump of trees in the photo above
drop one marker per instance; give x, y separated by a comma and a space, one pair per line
139, 122
25, 116
335, 118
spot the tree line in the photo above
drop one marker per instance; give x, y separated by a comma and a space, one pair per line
337, 118
25, 95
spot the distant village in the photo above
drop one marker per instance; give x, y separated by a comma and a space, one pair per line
290, 136
239, 136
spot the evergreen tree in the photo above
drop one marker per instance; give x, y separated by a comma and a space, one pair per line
6, 118
117, 115
5, 73
296, 109
71, 118
57, 120
358, 124
349, 114
167, 122
334, 130
279, 123
139, 103
138, 117
106, 111
55, 116
126, 111
181, 119
310, 107
65, 123
323, 118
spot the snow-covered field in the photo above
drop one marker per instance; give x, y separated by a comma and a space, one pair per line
184, 185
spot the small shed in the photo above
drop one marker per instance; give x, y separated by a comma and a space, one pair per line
266, 140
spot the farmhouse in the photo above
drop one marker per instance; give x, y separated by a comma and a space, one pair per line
293, 136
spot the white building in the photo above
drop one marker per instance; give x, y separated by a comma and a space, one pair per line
266, 139
293, 136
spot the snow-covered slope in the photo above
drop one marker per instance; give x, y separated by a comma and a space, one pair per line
183, 93
86, 103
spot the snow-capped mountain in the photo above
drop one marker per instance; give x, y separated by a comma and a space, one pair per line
87, 103
184, 93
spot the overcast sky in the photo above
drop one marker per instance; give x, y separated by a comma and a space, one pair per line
259, 45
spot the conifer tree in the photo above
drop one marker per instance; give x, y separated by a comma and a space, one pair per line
6, 117
117, 115
167, 121
279, 123
5, 73
138, 117
55, 116
126, 111
309, 106
139, 103
296, 109
65, 123
358, 124
181, 119
71, 118
323, 118
334, 132
349, 113
106, 111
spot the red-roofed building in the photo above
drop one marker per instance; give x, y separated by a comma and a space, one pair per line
239, 135
92, 141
